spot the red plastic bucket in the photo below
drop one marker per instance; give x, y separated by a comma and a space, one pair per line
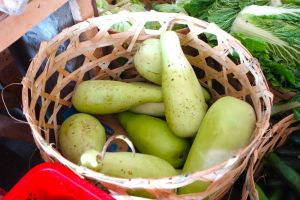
53, 181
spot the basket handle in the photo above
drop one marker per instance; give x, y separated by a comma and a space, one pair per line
7, 110
112, 138
5, 106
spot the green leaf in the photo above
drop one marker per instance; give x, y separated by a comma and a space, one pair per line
221, 12
102, 5
281, 31
165, 7
182, 3
280, 74
261, 193
291, 2
297, 113
199, 8
121, 26
154, 25
272, 35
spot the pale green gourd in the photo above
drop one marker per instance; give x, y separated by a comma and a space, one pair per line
153, 109
128, 165
106, 96
152, 136
182, 94
147, 60
79, 133
226, 128
158, 109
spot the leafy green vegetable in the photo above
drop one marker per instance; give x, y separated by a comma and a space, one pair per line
297, 113
261, 193
130, 1
121, 27
132, 6
288, 174
221, 12
279, 74
165, 7
272, 35
102, 5
292, 105
294, 2
278, 26
154, 25
182, 3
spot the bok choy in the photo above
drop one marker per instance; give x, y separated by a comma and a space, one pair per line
272, 35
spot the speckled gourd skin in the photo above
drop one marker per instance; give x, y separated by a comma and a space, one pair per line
128, 165
147, 60
106, 96
182, 93
79, 133
226, 128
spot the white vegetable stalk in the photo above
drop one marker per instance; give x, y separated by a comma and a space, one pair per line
242, 26
276, 3
268, 10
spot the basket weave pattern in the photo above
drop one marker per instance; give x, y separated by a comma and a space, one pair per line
274, 138
49, 83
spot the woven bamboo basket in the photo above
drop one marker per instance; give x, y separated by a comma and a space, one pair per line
274, 138
49, 83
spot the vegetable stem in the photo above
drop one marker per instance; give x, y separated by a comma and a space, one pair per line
276, 194
280, 108
261, 194
287, 173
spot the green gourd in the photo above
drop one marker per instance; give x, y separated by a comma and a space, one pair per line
147, 60
127, 164
182, 94
226, 128
79, 133
206, 94
152, 136
158, 109
148, 63
106, 96
153, 109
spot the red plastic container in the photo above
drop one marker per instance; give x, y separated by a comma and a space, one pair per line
53, 181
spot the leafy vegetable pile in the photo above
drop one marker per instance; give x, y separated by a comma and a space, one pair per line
221, 12
272, 35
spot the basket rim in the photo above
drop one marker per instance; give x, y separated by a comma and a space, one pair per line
179, 180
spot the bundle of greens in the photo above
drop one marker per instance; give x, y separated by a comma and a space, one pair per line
291, 2
131, 5
221, 12
165, 7
272, 35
